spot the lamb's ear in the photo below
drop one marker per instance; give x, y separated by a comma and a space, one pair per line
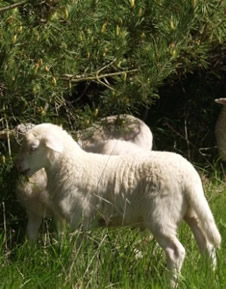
54, 144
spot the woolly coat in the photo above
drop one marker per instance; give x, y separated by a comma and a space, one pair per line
153, 190
150, 188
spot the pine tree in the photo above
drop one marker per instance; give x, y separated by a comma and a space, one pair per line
67, 61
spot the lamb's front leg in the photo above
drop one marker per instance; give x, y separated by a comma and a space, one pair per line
33, 226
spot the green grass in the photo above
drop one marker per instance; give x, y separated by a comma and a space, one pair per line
109, 258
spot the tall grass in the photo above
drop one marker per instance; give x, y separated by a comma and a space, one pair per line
111, 258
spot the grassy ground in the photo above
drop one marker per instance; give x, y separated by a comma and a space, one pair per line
110, 258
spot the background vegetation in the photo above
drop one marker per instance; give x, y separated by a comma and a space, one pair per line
73, 62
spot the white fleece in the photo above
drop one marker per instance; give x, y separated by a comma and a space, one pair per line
153, 190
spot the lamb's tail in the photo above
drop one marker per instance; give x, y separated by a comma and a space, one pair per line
197, 201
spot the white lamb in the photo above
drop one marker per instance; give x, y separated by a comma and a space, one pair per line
154, 190
33, 194
220, 129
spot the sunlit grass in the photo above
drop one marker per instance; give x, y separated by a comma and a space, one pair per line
111, 258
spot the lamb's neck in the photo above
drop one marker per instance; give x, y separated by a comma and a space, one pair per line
62, 161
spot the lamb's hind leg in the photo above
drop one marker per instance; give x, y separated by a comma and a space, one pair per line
175, 254
205, 247
165, 234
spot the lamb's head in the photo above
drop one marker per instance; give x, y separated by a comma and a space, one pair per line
40, 145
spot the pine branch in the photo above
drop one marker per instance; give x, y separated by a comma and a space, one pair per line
97, 77
6, 8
